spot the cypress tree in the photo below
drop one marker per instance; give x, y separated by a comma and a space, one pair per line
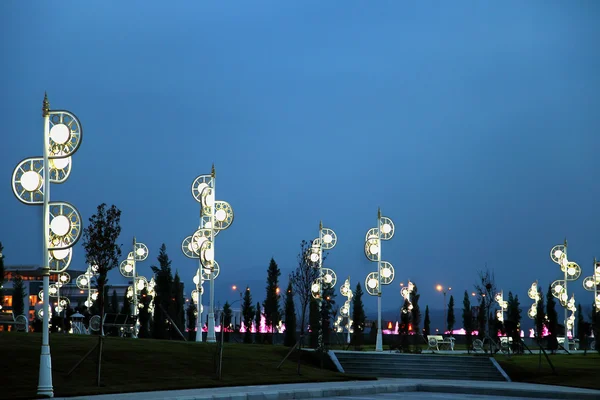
248, 314
358, 317
18, 304
467, 317
426, 322
540, 317
163, 288
290, 318
415, 313
552, 320
191, 320
271, 303
451, 320
114, 303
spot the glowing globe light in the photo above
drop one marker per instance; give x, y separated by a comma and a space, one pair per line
374, 249
328, 278
88, 303
386, 228
64, 278
314, 257
327, 238
52, 290
60, 225
94, 295
209, 254
31, 181
558, 254
140, 252
372, 283
128, 268
315, 287
571, 271
386, 272
84, 281
196, 279
61, 254
220, 215
589, 283
141, 284
564, 297
60, 133
558, 288
60, 163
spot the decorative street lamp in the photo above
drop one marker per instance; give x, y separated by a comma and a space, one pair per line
572, 271
405, 293
503, 306
215, 216
326, 241
84, 282
385, 270
534, 295
592, 284
128, 269
346, 309
61, 221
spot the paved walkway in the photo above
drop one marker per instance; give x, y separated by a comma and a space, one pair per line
380, 389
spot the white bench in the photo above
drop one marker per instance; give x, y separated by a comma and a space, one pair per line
573, 343
437, 341
19, 322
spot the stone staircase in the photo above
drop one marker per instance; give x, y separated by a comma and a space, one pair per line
419, 366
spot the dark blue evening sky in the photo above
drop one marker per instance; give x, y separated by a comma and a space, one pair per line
474, 125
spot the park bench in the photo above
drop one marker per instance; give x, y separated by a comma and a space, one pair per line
437, 341
123, 322
20, 322
573, 343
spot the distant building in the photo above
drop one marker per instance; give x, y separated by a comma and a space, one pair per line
33, 284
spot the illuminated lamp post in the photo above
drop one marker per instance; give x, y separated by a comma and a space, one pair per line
346, 309
534, 295
385, 270
326, 241
592, 284
215, 216
503, 304
128, 268
61, 221
572, 271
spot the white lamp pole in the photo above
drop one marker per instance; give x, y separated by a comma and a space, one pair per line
326, 241
385, 270
215, 216
61, 223
572, 271
128, 268
592, 284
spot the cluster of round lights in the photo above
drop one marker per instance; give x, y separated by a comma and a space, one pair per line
534, 295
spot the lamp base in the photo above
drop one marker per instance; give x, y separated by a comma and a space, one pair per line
211, 337
45, 388
379, 343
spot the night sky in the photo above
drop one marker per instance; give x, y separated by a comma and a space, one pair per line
473, 125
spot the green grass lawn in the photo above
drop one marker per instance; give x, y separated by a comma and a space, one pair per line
130, 365
575, 370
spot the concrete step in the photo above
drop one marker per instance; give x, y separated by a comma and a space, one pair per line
418, 366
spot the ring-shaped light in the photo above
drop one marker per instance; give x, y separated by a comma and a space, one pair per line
573, 271
329, 238
82, 282
188, 248
557, 253
589, 283
223, 217
372, 249
28, 181
141, 283
557, 288
64, 278
59, 260
214, 270
53, 290
328, 277
65, 225
66, 134
207, 254
372, 283
315, 289
198, 186
198, 238
141, 251
206, 224
126, 268
387, 273
59, 169
386, 228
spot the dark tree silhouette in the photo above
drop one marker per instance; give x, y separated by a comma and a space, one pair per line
358, 318
290, 317
271, 303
